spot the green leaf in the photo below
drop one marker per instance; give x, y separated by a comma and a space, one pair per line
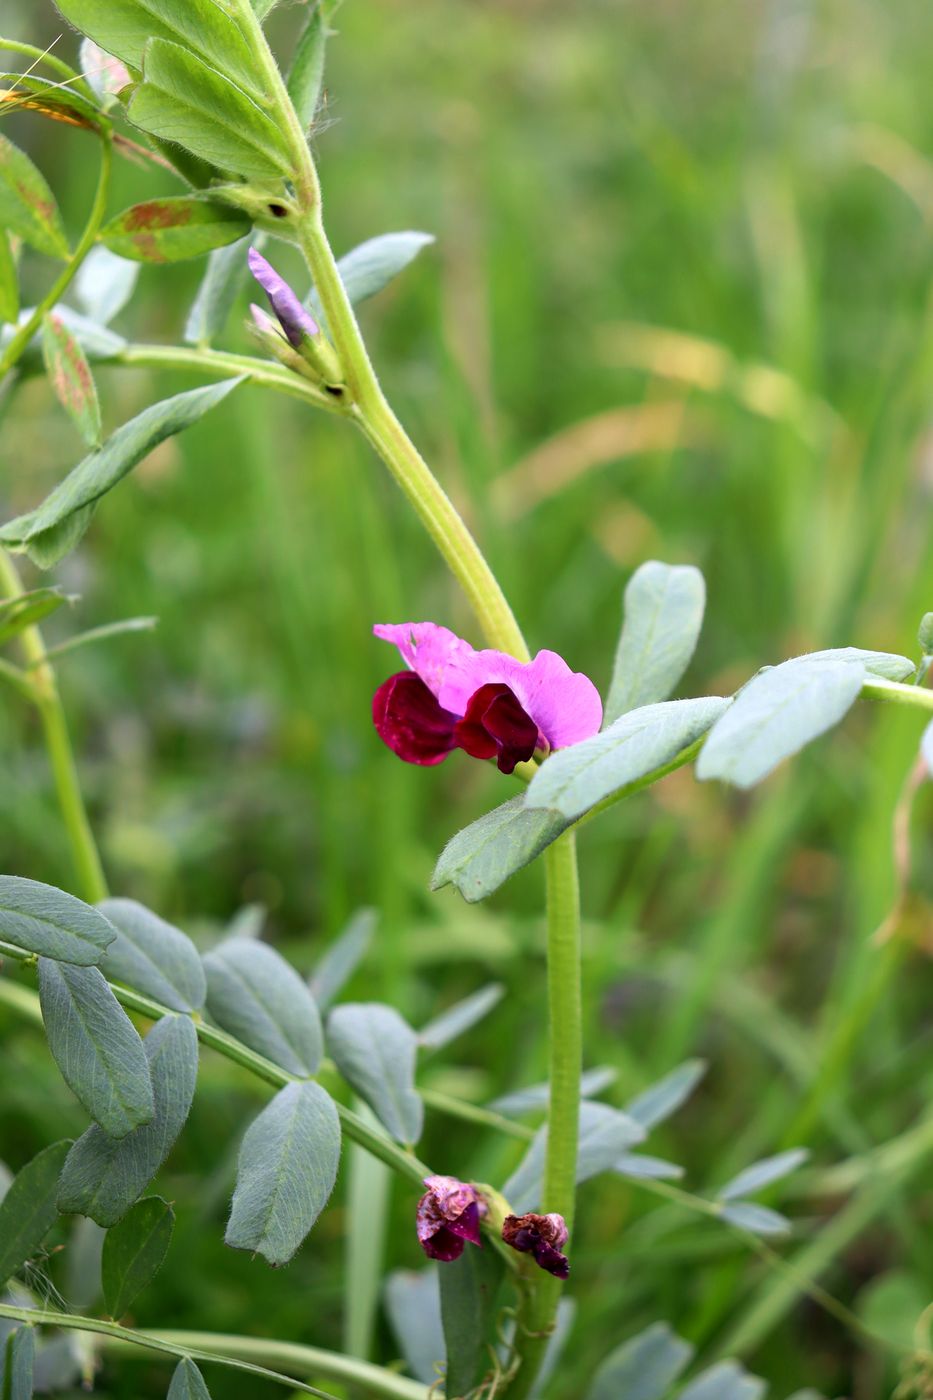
306, 75
71, 378
413, 1305
103, 1176
664, 606
153, 957
460, 1017
28, 609
342, 958
121, 628
42, 919
48, 532
223, 279
483, 855
778, 713
886, 664
763, 1173
134, 1252
9, 281
187, 1382
640, 1166
727, 1381
758, 1220
124, 27
469, 1292
27, 205
642, 1368
96, 1046
368, 268
170, 230
605, 1133
253, 993
28, 1210
104, 284
55, 98
287, 1168
535, 1096
375, 1051
660, 1100
642, 742
181, 99
20, 1364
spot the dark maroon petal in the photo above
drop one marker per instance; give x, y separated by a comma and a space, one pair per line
444, 1245
467, 1225
539, 1235
551, 1259
496, 726
411, 722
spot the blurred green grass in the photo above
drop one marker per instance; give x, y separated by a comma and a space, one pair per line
759, 180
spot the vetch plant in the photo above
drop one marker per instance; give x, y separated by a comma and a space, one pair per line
193, 85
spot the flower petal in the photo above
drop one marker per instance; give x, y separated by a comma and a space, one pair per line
564, 704
293, 318
410, 722
429, 649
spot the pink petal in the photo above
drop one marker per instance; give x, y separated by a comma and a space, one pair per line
428, 649
564, 704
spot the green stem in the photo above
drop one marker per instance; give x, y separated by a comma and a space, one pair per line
44, 56
44, 694
27, 330
222, 363
896, 693
538, 1307
222, 1350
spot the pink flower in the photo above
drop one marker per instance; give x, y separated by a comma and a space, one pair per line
449, 1213
484, 702
541, 1236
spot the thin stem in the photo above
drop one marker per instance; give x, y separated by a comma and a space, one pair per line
539, 1306
386, 434
57, 65
44, 694
29, 327
374, 1380
222, 363
896, 693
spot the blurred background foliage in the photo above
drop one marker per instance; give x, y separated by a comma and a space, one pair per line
680, 306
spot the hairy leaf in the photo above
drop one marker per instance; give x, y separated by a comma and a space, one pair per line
662, 1099
342, 958
365, 270
460, 1017
306, 75
253, 993
605, 1133
71, 378
103, 1176
727, 1381
778, 713
48, 532
223, 279
28, 1210
27, 205
187, 1382
641, 743
96, 1046
483, 855
153, 956
20, 1364
763, 1173
202, 27
413, 1305
28, 609
9, 281
172, 229
287, 1168
181, 99
375, 1051
640, 1166
42, 919
664, 606
134, 1252
642, 1368
104, 284
758, 1220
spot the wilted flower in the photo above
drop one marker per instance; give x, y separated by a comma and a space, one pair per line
541, 1236
484, 702
449, 1213
297, 323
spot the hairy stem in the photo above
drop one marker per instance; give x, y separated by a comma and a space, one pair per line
27, 330
44, 694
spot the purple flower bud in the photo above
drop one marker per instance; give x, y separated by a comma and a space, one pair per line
262, 322
295, 321
540, 1236
449, 1213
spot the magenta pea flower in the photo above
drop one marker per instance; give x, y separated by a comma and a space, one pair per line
297, 323
484, 702
542, 1236
448, 1216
